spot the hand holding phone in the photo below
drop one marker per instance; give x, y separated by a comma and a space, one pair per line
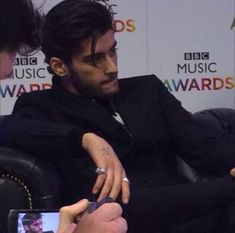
98, 218
71, 215
107, 218
47, 221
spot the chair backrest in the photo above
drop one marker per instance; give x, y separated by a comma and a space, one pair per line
218, 122
26, 182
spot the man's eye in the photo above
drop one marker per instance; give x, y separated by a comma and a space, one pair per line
113, 51
93, 60
97, 58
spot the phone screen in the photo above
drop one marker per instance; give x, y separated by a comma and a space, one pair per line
37, 221
44, 220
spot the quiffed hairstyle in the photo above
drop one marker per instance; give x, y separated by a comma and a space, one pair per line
19, 26
29, 218
71, 22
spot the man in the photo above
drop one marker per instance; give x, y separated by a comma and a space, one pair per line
32, 223
92, 126
20, 31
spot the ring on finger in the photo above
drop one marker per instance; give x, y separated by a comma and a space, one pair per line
125, 179
100, 171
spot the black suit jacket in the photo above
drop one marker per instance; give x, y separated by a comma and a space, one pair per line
50, 123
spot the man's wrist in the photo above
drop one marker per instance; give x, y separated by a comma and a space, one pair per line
86, 139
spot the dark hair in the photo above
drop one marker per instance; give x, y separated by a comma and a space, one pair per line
20, 26
71, 22
29, 218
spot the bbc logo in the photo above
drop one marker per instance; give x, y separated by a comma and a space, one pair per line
196, 56
26, 61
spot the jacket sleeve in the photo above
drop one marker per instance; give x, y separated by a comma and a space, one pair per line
31, 129
196, 144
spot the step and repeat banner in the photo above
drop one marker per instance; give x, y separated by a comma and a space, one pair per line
188, 44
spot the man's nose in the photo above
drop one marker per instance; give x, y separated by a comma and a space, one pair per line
111, 65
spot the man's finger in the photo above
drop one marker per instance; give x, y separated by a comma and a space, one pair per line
107, 186
117, 184
99, 183
126, 192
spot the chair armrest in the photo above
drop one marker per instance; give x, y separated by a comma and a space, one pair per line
218, 122
26, 182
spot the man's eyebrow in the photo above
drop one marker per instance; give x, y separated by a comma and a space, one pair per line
89, 56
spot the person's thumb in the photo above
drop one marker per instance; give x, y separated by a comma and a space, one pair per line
69, 213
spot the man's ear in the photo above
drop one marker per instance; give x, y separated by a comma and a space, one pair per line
59, 67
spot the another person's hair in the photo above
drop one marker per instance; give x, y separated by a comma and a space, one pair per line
71, 22
20, 26
29, 218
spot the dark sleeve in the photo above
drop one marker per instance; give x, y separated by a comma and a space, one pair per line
31, 129
195, 144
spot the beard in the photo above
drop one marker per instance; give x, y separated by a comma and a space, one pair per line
85, 86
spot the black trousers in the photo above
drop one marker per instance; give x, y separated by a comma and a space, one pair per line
187, 208
180, 207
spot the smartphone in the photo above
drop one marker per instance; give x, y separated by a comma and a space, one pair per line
45, 220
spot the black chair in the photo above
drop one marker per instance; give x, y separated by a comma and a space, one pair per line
25, 183
219, 123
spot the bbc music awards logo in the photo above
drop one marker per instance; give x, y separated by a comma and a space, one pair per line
199, 63
27, 72
120, 25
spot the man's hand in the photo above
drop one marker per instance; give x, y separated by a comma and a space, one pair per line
106, 219
111, 183
232, 172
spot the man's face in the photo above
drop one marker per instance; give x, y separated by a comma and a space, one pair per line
6, 63
99, 79
35, 227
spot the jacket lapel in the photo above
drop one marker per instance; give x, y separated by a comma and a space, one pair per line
92, 112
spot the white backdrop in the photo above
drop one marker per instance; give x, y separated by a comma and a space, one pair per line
188, 44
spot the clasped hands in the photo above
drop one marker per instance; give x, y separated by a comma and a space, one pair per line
113, 181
